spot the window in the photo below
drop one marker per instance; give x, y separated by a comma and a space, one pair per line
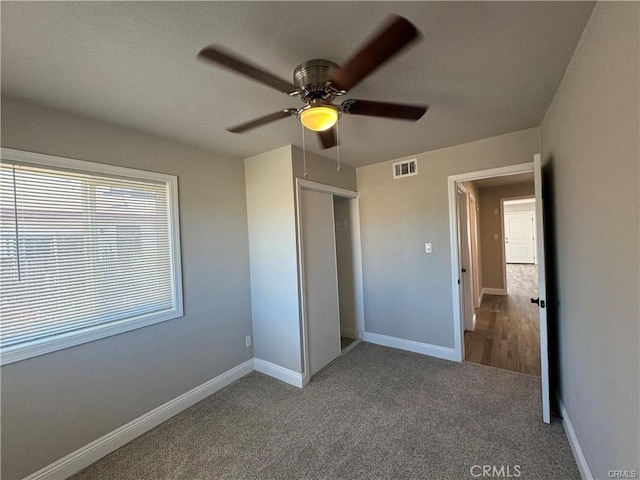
86, 251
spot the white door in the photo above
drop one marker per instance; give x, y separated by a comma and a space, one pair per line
475, 267
320, 278
542, 293
466, 297
518, 237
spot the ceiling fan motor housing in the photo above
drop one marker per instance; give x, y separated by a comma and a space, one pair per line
312, 79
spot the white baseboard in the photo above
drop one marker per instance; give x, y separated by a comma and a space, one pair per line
411, 346
493, 291
94, 451
348, 332
583, 467
276, 371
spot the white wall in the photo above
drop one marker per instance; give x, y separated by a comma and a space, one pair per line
56, 403
407, 293
591, 150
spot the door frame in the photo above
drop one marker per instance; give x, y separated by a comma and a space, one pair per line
357, 263
464, 249
453, 180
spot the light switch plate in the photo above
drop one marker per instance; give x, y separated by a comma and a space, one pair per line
427, 248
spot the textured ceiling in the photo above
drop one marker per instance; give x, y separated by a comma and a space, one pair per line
484, 68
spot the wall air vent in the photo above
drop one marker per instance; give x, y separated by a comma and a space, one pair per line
405, 168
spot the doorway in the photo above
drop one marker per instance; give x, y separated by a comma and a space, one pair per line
508, 334
497, 307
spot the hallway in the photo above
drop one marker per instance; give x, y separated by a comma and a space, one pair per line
507, 333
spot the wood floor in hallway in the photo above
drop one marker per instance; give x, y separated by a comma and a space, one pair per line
507, 333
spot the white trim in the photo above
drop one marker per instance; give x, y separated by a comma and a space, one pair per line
57, 342
453, 180
437, 351
92, 452
503, 249
357, 267
281, 373
82, 165
493, 291
581, 461
20, 352
356, 252
321, 187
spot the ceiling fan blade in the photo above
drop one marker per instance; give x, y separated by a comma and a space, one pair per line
328, 138
272, 117
389, 41
383, 109
217, 55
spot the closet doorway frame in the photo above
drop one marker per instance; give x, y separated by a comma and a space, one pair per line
357, 264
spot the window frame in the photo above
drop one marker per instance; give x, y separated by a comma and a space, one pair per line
16, 353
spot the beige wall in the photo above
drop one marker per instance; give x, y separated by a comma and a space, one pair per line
56, 403
407, 293
591, 154
520, 207
490, 225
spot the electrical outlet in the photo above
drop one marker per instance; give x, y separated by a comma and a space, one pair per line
247, 341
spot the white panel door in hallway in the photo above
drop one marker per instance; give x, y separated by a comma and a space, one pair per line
320, 278
519, 237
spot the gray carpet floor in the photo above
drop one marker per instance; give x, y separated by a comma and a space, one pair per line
376, 413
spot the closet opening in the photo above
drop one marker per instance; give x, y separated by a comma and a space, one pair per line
344, 262
330, 273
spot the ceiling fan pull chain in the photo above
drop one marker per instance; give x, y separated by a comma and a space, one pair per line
304, 154
338, 146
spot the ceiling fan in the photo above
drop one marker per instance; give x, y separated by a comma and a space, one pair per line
318, 82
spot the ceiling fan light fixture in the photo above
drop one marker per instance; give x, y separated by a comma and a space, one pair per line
319, 117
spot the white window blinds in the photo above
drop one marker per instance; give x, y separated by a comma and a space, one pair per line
84, 254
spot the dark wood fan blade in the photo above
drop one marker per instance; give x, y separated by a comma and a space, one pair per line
389, 41
262, 121
382, 109
328, 138
217, 55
